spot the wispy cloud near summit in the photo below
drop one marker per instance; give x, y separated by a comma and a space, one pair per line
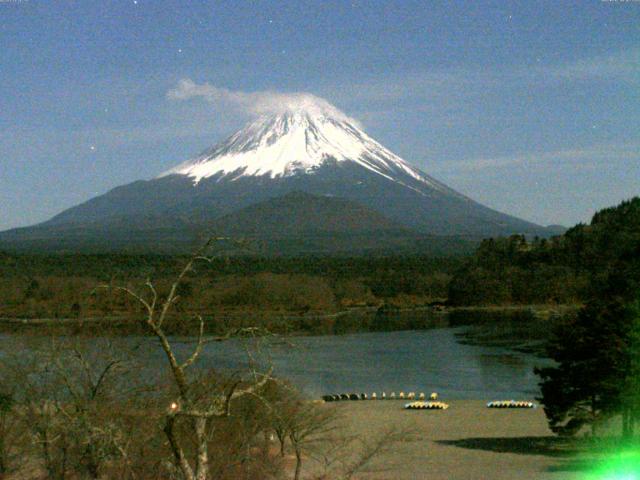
255, 103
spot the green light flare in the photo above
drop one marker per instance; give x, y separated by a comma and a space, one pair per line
619, 466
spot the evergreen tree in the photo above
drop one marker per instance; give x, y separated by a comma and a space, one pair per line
588, 261
598, 368
631, 392
587, 384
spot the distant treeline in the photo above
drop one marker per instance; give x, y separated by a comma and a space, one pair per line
563, 269
62, 286
504, 271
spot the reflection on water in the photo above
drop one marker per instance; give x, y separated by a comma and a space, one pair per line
427, 360
519, 330
456, 361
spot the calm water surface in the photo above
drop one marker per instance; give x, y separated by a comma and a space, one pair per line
426, 360
438, 359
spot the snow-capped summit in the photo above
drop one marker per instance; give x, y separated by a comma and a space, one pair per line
304, 137
302, 170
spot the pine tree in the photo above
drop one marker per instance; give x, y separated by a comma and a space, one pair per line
588, 384
631, 392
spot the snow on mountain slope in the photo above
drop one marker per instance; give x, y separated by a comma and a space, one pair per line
307, 146
299, 141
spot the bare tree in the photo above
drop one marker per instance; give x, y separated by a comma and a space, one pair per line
8, 421
309, 427
70, 397
86, 424
22, 413
316, 432
372, 449
193, 409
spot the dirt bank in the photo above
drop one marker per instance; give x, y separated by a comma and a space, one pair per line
467, 441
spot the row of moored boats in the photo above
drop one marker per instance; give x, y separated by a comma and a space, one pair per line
420, 400
510, 404
374, 396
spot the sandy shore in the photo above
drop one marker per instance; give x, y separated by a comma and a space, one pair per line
468, 441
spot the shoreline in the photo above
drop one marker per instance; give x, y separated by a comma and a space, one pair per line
463, 442
540, 309
353, 320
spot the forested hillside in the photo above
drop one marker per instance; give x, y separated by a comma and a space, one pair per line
55, 286
563, 269
502, 271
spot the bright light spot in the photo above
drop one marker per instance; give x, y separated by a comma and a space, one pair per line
174, 406
621, 466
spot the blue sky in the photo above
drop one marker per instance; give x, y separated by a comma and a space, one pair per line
532, 108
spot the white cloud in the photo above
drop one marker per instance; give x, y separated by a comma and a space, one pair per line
254, 103
584, 156
442, 95
620, 66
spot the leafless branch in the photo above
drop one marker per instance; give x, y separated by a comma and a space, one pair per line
102, 376
199, 345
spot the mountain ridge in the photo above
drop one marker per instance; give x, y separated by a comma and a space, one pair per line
312, 150
298, 213
293, 143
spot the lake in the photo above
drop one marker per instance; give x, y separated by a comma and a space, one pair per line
425, 360
485, 360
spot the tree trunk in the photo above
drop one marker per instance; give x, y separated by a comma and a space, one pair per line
176, 449
202, 462
298, 464
3, 464
4, 447
63, 462
266, 444
282, 438
46, 455
594, 430
92, 462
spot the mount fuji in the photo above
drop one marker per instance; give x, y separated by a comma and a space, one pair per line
308, 171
